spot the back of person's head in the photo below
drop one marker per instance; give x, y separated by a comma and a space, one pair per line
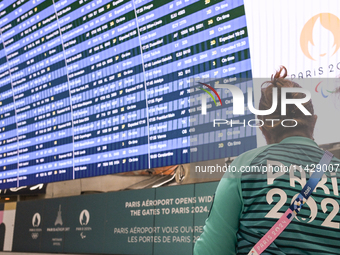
274, 131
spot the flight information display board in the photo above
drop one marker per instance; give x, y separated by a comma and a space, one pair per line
90, 88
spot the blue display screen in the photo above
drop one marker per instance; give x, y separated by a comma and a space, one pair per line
91, 88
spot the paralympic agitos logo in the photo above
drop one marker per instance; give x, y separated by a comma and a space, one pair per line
239, 104
324, 92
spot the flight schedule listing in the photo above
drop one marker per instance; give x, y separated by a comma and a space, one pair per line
98, 87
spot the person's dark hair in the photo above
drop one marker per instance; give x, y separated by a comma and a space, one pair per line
276, 130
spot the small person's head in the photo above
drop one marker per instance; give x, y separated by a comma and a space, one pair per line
274, 132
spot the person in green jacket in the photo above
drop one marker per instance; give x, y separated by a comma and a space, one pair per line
248, 202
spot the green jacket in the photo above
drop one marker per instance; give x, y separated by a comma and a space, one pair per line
248, 203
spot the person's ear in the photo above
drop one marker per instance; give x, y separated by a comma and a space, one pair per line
266, 135
315, 118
